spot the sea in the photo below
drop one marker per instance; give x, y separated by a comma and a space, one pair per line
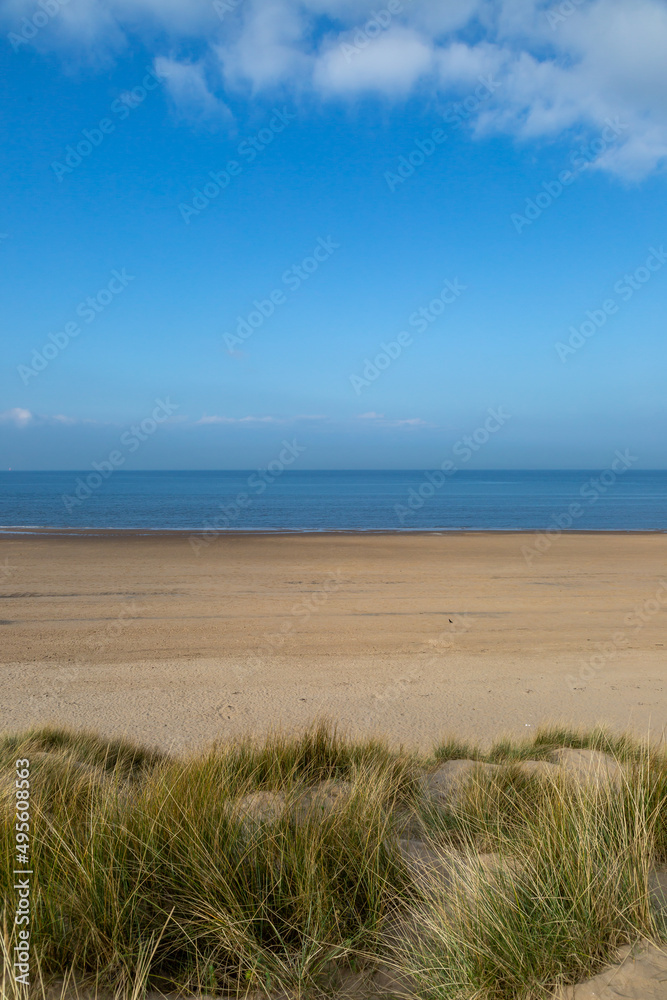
313, 501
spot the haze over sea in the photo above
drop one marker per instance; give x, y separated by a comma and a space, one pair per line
338, 500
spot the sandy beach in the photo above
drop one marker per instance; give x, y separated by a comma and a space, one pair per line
410, 636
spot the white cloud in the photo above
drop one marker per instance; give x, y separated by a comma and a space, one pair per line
22, 418
379, 420
266, 46
237, 420
17, 416
214, 419
462, 65
389, 64
556, 74
440, 18
83, 29
189, 91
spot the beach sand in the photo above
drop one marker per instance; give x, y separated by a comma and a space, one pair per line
408, 636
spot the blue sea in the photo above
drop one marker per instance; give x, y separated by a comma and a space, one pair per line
336, 501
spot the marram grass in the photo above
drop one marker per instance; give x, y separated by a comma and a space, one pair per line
568, 884
274, 867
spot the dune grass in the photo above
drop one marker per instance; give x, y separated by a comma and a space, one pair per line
550, 878
275, 866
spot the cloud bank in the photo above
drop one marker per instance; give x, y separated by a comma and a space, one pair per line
564, 66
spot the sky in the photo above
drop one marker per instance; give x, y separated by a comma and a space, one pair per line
367, 229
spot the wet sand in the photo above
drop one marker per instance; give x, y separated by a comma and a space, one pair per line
410, 636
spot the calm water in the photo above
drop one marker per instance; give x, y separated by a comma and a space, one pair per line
318, 501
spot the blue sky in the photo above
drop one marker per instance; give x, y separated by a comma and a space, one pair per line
390, 187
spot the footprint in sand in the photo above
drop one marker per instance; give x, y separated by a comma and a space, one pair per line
225, 711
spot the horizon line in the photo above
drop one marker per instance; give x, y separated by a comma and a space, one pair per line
421, 468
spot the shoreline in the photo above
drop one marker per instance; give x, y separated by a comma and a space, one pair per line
11, 531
